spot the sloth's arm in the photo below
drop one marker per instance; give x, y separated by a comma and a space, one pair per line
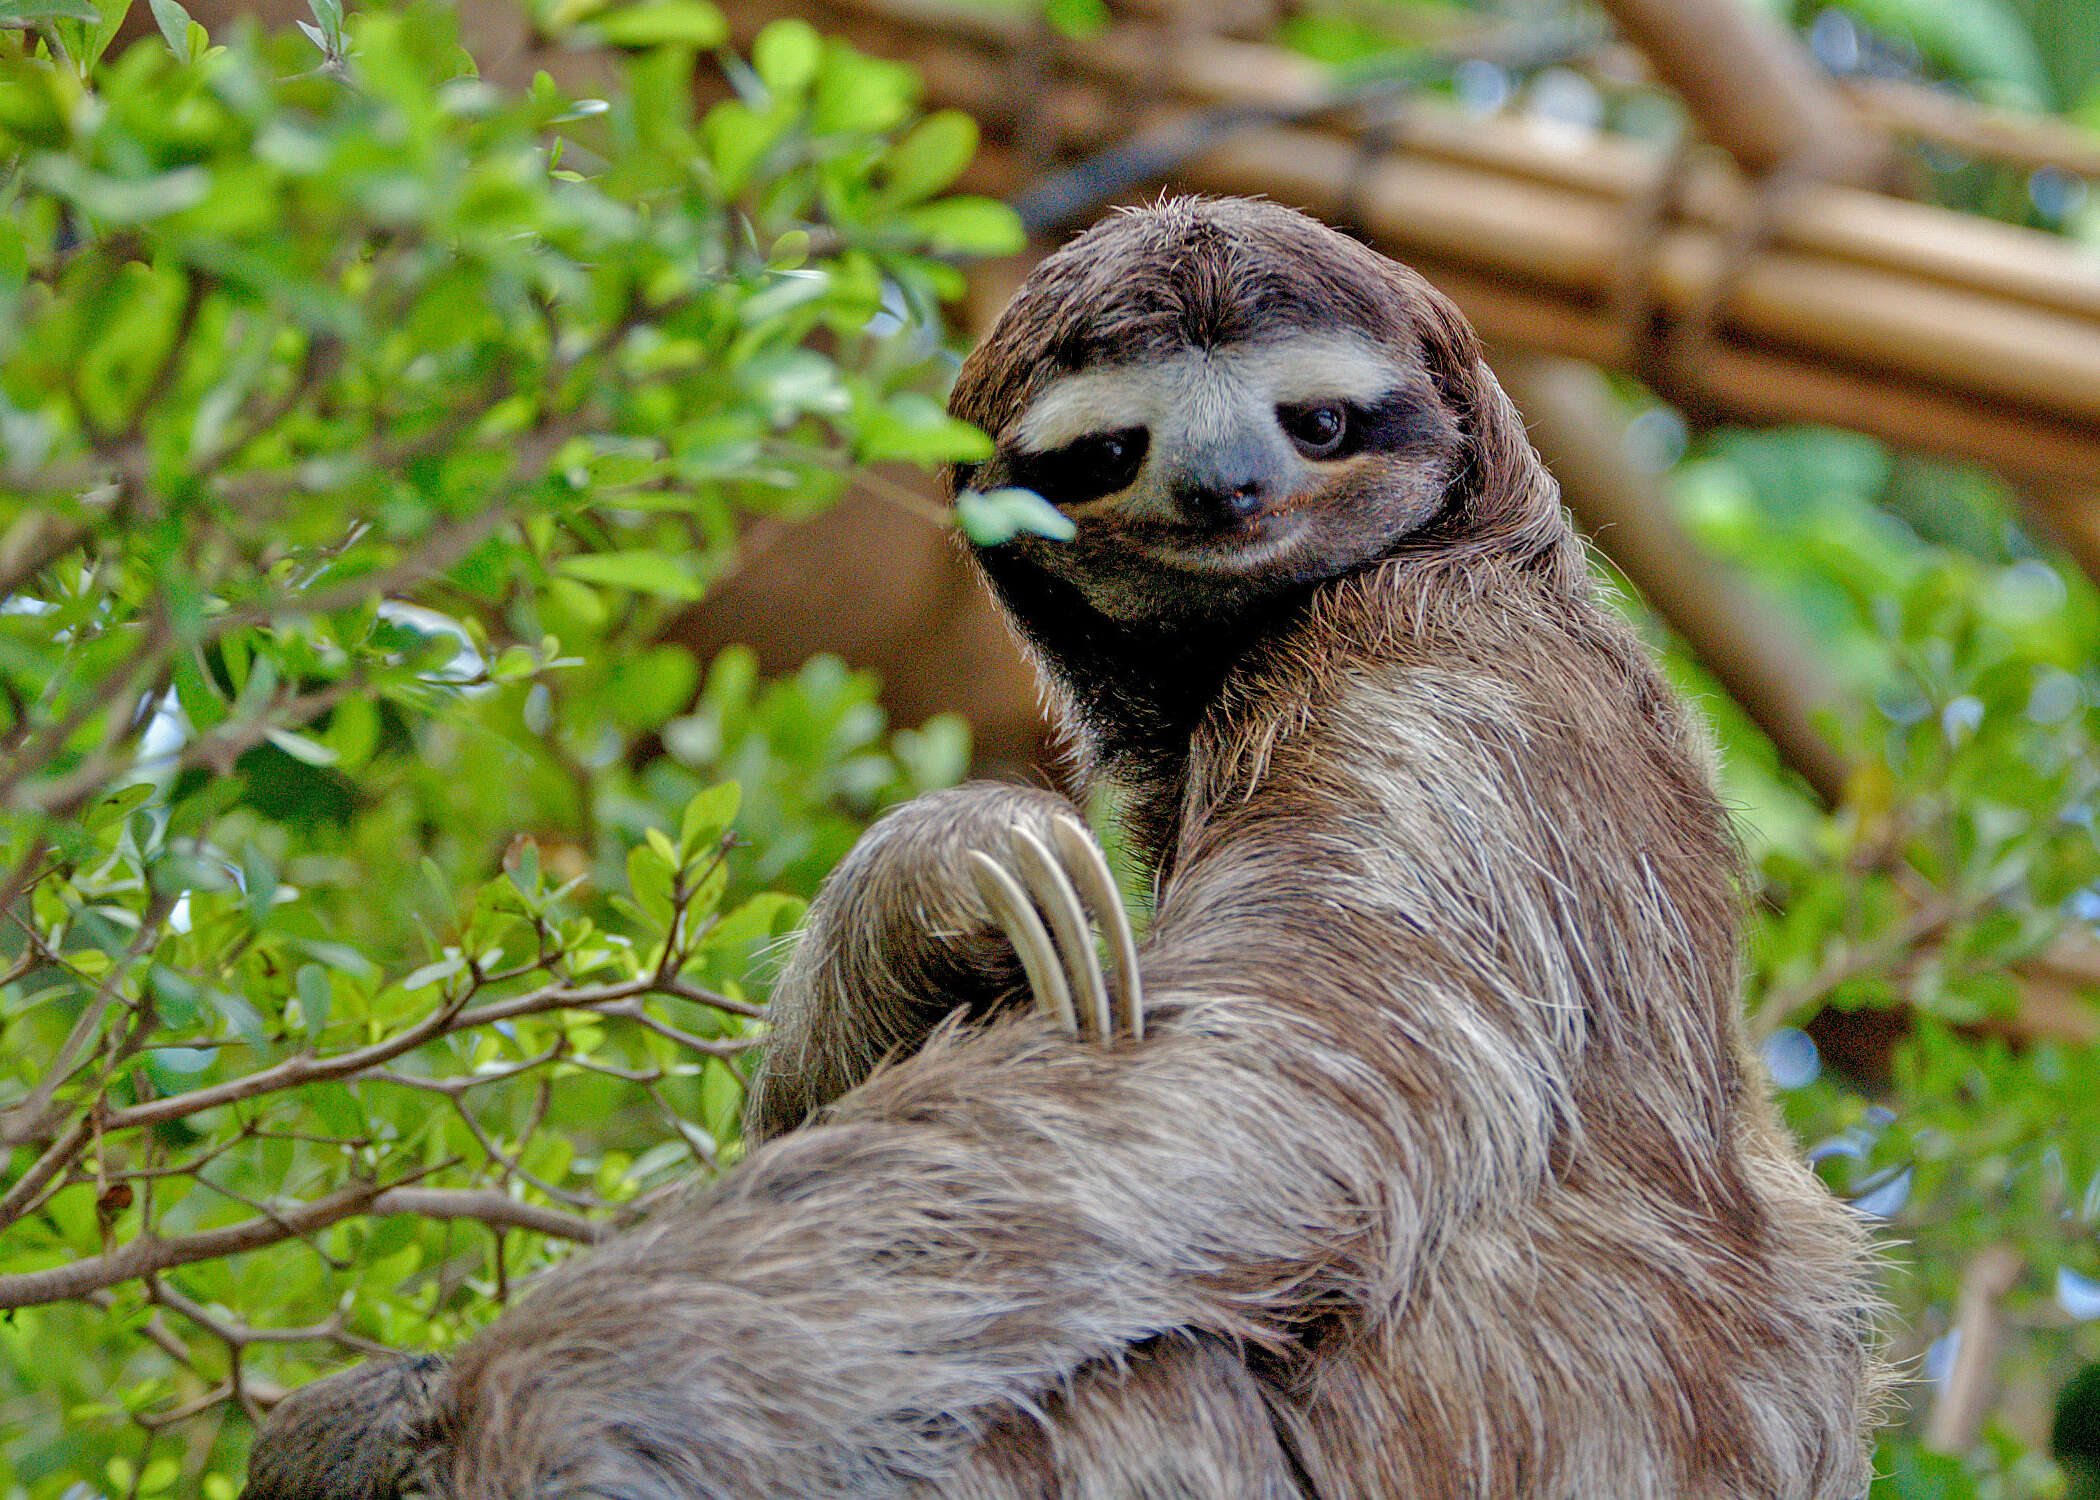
898, 939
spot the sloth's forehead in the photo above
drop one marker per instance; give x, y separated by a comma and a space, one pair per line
1178, 389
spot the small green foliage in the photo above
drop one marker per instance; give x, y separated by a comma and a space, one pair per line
363, 429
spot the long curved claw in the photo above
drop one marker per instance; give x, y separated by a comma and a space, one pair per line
1046, 880
1090, 872
1015, 914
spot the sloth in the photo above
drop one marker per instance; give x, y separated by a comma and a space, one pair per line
1415, 1151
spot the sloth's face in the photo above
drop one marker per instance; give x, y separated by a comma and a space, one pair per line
1214, 477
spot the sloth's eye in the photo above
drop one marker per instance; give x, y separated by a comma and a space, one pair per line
1098, 464
1320, 429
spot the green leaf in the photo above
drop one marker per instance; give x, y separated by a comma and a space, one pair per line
968, 226
315, 996
760, 919
859, 94
737, 138
795, 381
89, 40
649, 877
721, 1097
707, 817
656, 573
911, 427
328, 14
930, 157
651, 686
122, 200
514, 664
174, 23
301, 748
1984, 41
1000, 516
111, 810
785, 55
659, 23
433, 973
47, 10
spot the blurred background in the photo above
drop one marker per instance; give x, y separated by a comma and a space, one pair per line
1802, 304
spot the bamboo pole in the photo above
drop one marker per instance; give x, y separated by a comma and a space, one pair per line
1753, 90
1897, 107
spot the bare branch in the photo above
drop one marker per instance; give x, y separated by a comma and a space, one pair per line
1979, 1327
488, 1206
511, 1165
34, 1108
59, 1155
633, 1010
678, 989
116, 690
148, 1254
238, 1335
33, 544
452, 1088
448, 1017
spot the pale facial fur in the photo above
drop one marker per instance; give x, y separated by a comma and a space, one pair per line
1203, 396
1225, 504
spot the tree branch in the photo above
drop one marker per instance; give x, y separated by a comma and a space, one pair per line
488, 1206
148, 1254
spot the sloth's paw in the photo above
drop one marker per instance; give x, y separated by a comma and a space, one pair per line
1030, 884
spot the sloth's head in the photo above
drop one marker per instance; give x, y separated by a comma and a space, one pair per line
1231, 402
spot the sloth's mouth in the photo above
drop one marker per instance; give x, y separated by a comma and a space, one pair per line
1248, 547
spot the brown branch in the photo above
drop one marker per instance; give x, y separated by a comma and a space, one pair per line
293, 1071
633, 1010
512, 1166
195, 285
34, 543
35, 1107
678, 989
60, 1154
453, 1088
117, 693
238, 1335
1846, 964
1979, 1322
621, 1001
149, 1254
606, 999
487, 1206
218, 1395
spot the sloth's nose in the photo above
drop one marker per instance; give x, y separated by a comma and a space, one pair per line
1221, 502
1226, 485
